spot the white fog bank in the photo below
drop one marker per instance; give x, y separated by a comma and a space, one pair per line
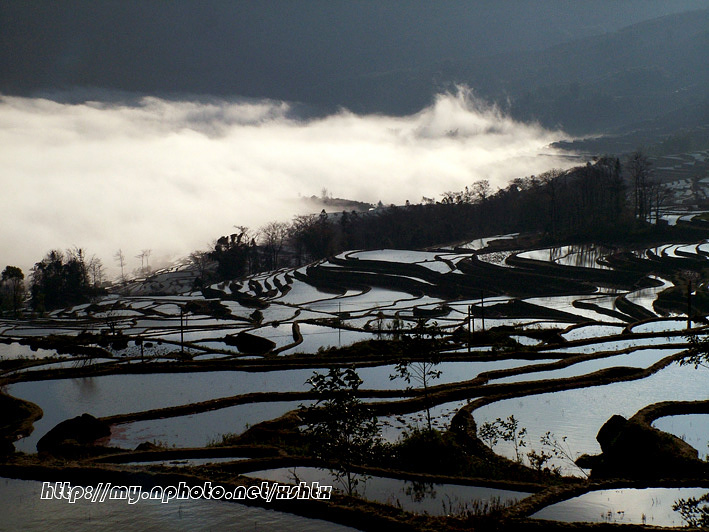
173, 175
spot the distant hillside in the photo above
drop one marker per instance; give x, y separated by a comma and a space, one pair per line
588, 67
331, 204
648, 75
650, 70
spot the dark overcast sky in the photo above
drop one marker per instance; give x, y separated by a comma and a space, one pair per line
278, 48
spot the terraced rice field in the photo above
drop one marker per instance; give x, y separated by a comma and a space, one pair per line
560, 338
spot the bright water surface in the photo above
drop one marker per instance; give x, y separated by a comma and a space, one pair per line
434, 499
578, 414
652, 506
692, 428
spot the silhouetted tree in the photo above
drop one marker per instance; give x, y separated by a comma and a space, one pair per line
638, 168
343, 430
233, 254
422, 370
551, 183
120, 258
201, 261
95, 271
144, 257
273, 236
61, 280
13, 289
579, 202
480, 190
314, 236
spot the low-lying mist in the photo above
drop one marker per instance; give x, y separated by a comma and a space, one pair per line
172, 175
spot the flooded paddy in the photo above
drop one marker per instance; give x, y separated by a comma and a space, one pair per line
618, 345
580, 256
199, 430
526, 328
692, 428
395, 426
592, 331
15, 350
647, 506
99, 396
415, 497
62, 399
316, 337
578, 414
640, 358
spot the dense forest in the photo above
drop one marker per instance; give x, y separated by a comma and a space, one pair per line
64, 279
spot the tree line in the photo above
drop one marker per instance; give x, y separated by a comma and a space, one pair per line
60, 279
12, 291
64, 279
595, 199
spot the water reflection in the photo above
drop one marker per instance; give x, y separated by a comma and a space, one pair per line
694, 510
652, 506
583, 256
198, 430
580, 413
66, 398
418, 491
412, 496
692, 428
120, 394
640, 358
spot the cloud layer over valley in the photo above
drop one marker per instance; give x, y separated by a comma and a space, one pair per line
172, 175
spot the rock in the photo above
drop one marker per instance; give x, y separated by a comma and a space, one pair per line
463, 423
283, 429
81, 430
610, 431
587, 461
17, 417
250, 343
465, 431
148, 446
6, 447
635, 450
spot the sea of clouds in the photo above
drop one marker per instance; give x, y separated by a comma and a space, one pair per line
171, 175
